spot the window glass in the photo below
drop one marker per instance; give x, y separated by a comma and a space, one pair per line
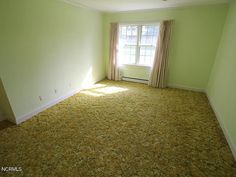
137, 44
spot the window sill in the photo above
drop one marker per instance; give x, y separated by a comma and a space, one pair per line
135, 65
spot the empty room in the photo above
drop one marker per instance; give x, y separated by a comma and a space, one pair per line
114, 88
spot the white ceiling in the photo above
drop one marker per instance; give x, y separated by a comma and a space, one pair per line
130, 5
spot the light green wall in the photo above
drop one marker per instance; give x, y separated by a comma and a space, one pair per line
196, 35
47, 45
222, 83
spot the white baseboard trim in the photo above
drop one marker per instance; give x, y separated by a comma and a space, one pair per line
44, 107
225, 131
183, 87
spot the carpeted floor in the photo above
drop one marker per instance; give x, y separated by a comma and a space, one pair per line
120, 129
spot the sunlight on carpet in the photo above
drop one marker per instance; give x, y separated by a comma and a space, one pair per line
120, 129
101, 89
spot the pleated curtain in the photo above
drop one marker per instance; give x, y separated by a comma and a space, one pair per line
159, 71
113, 68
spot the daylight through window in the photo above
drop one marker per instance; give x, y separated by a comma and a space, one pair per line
137, 44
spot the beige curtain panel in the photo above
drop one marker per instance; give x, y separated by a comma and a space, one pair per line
159, 70
113, 68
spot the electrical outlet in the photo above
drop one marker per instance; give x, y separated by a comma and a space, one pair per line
55, 91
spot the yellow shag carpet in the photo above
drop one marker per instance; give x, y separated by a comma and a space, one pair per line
120, 129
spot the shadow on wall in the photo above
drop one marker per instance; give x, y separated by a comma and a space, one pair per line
5, 106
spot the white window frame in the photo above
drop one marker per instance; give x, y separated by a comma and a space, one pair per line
138, 42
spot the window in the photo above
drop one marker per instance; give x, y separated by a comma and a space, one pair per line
137, 44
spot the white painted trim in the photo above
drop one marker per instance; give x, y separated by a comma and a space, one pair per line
44, 107
225, 131
187, 88
134, 80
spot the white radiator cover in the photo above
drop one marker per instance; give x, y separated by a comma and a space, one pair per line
135, 71
135, 80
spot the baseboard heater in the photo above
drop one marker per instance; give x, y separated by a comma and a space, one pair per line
144, 81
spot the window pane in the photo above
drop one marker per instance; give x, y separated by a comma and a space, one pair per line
149, 35
128, 41
128, 36
128, 54
146, 55
148, 43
